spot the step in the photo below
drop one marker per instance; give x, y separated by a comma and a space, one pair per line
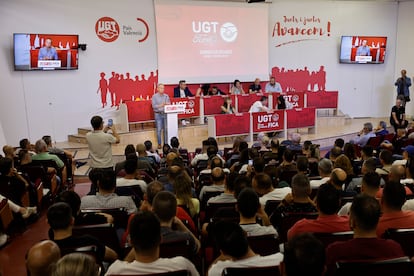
83, 130
77, 138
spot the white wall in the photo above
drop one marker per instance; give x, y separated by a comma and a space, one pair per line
364, 89
405, 42
36, 103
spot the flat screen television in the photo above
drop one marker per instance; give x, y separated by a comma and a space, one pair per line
363, 49
45, 52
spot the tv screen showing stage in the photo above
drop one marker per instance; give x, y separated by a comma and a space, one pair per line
45, 52
204, 42
363, 49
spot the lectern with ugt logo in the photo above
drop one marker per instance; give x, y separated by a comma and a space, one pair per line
171, 112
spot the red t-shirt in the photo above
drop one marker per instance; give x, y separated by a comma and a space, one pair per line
396, 220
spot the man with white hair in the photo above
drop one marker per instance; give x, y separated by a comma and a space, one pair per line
295, 142
324, 168
364, 135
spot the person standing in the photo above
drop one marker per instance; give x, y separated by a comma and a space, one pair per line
100, 143
397, 118
159, 100
403, 83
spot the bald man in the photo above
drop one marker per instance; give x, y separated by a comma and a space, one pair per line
338, 179
219, 178
41, 256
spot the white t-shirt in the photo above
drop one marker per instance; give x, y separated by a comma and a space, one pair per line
255, 261
100, 148
182, 93
159, 266
257, 107
255, 229
123, 182
276, 194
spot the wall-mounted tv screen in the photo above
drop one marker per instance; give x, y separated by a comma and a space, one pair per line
363, 49
45, 52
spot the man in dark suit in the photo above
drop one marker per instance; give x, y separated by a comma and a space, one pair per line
182, 91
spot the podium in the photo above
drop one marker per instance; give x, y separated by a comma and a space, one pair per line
171, 124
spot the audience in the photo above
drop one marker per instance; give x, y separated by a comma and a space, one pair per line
304, 255
76, 264
250, 209
183, 192
61, 221
146, 235
235, 250
41, 257
328, 202
364, 216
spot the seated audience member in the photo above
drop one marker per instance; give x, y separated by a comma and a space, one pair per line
381, 129
328, 202
364, 135
236, 156
74, 201
132, 177
227, 107
338, 179
201, 156
10, 153
334, 153
216, 91
393, 198
235, 250
402, 175
295, 142
41, 258
146, 235
43, 154
408, 152
182, 91
343, 162
151, 151
184, 194
219, 179
56, 150
255, 87
130, 153
164, 206
274, 153
365, 246
298, 201
61, 221
24, 211
25, 144
368, 166
370, 185
260, 105
214, 162
282, 103
249, 209
339, 142
324, 169
142, 156
15, 185
76, 264
261, 141
302, 164
262, 185
106, 197
175, 143
228, 196
304, 255
288, 165
385, 158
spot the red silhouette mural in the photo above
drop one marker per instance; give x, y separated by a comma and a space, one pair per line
123, 88
300, 80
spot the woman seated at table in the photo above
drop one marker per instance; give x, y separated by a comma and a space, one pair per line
227, 108
237, 88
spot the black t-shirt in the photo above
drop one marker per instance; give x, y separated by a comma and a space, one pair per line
72, 242
255, 88
399, 112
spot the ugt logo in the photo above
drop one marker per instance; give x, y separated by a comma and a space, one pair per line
107, 29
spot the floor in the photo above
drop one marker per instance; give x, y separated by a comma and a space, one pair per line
12, 256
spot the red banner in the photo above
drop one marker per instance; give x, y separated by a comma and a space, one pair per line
266, 122
140, 111
322, 99
232, 124
244, 102
301, 117
212, 104
297, 99
192, 106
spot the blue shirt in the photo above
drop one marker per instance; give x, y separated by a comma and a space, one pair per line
273, 88
159, 99
363, 51
47, 53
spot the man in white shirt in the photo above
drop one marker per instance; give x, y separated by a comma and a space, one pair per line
235, 250
262, 184
325, 168
130, 178
100, 143
273, 86
260, 106
145, 236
